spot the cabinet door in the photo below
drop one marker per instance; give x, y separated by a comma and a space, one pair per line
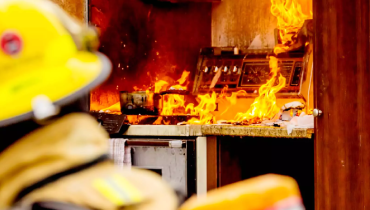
342, 92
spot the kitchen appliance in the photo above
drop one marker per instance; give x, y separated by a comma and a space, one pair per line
145, 108
112, 123
173, 159
248, 71
139, 102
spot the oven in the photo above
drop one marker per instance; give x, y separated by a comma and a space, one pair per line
173, 159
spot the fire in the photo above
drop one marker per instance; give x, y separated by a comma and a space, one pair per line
181, 82
290, 19
184, 77
175, 103
231, 99
264, 106
114, 109
207, 104
171, 103
150, 97
160, 85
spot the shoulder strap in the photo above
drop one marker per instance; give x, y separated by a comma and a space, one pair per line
58, 176
55, 206
47, 206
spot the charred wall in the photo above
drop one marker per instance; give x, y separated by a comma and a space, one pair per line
146, 41
243, 22
238, 23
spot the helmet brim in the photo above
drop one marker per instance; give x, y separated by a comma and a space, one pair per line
82, 73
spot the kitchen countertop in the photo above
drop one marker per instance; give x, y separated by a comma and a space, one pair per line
216, 130
164, 130
255, 131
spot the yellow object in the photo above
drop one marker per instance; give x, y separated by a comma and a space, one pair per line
71, 141
273, 192
44, 52
118, 190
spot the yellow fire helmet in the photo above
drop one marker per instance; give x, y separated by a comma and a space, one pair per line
44, 52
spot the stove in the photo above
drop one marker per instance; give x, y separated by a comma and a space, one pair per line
247, 71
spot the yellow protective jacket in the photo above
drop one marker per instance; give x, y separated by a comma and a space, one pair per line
66, 162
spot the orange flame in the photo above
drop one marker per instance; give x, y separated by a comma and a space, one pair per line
175, 103
159, 86
184, 77
114, 109
290, 20
171, 104
231, 99
207, 104
264, 106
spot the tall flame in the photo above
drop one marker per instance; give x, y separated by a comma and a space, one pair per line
175, 103
233, 99
264, 106
171, 103
290, 19
207, 104
158, 86
184, 77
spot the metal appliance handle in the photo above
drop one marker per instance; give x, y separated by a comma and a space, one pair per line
172, 144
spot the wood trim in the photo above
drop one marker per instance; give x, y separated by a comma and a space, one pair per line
342, 92
212, 163
229, 170
201, 154
186, 1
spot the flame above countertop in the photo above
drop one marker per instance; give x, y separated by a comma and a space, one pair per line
290, 18
264, 106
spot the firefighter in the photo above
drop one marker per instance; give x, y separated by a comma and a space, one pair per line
53, 156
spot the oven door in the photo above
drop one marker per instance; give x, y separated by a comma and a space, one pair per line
173, 159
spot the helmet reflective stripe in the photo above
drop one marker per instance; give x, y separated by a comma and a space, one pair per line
118, 190
124, 184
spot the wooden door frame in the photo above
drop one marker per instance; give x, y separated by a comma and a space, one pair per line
342, 92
